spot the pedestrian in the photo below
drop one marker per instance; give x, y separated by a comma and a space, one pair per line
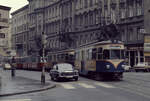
13, 66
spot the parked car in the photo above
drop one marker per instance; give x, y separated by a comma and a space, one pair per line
142, 66
6, 66
62, 71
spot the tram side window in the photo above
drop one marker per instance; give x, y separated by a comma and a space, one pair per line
82, 55
54, 57
71, 57
49, 58
66, 56
77, 55
106, 54
87, 54
62, 56
94, 53
100, 53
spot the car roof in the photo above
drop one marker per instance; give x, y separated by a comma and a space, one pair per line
63, 64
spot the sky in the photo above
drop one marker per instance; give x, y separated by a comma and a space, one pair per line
14, 4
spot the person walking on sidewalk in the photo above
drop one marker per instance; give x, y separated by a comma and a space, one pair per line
13, 66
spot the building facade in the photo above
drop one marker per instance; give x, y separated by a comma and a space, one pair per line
20, 34
4, 29
72, 23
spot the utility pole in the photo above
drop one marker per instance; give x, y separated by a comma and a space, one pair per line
44, 41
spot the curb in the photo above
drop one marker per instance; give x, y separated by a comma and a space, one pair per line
30, 91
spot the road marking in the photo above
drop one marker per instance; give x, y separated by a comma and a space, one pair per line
86, 85
67, 86
104, 85
18, 100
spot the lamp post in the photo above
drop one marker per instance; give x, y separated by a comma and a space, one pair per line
44, 41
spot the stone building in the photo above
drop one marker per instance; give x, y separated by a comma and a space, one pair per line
20, 34
71, 23
4, 29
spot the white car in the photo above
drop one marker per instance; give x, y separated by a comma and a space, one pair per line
63, 71
7, 66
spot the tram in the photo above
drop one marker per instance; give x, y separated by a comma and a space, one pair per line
103, 59
64, 56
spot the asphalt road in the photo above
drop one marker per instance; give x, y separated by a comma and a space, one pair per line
134, 87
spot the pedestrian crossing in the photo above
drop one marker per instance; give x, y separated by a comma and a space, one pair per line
67, 86
86, 85
77, 85
104, 85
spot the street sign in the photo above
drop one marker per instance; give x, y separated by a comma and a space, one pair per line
143, 31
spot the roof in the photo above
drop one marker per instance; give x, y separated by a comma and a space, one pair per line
19, 10
4, 7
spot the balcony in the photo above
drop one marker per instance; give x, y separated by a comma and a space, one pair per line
3, 23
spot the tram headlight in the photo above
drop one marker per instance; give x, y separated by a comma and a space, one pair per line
123, 66
107, 66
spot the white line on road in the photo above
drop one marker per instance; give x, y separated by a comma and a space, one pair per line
86, 85
18, 100
104, 85
67, 86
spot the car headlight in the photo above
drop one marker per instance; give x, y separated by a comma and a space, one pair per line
107, 66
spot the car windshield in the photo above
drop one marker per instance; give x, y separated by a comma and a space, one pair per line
63, 67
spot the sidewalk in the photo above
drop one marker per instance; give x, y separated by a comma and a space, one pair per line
20, 85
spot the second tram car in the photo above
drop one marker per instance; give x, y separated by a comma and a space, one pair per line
101, 60
64, 56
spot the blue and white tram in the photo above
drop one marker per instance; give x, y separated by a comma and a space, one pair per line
103, 59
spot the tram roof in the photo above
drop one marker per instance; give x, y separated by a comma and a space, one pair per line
66, 50
103, 43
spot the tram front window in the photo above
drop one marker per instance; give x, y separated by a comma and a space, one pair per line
117, 54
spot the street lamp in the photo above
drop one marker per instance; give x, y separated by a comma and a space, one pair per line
44, 41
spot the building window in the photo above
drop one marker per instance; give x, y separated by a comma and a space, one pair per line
122, 10
139, 35
123, 35
131, 34
122, 13
85, 3
139, 7
131, 9
91, 2
96, 18
113, 15
2, 35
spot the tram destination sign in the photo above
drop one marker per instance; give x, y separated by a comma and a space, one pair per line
115, 47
